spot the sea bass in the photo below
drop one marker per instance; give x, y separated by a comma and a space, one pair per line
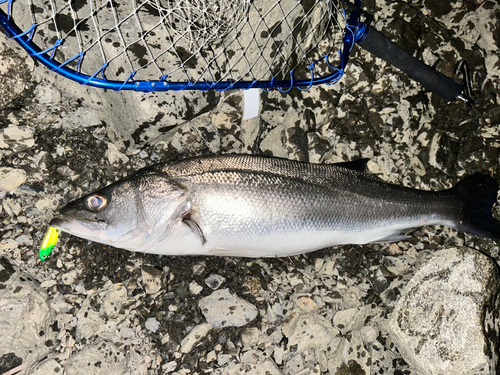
251, 206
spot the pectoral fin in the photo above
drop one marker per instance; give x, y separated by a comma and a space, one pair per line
188, 219
187, 214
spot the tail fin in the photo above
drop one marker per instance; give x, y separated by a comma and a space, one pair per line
478, 194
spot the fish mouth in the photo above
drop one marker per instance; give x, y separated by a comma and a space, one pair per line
89, 229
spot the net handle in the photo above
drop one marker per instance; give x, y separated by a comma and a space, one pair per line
380, 46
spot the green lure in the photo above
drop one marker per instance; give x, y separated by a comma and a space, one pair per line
48, 243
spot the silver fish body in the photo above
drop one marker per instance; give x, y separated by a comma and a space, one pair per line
252, 206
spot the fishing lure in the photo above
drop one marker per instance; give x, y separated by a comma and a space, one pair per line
48, 243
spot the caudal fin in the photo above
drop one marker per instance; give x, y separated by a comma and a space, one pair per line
478, 194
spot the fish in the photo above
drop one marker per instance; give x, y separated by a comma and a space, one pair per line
255, 206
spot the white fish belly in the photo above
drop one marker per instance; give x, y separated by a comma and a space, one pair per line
282, 245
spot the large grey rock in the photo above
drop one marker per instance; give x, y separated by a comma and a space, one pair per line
16, 72
101, 312
25, 318
196, 334
132, 118
446, 321
222, 309
104, 358
11, 178
306, 331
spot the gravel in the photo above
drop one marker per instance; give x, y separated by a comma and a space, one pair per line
91, 308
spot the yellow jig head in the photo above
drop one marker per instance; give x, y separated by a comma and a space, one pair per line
48, 243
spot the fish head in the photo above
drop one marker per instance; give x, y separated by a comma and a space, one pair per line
128, 214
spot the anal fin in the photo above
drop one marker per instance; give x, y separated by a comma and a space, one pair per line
393, 238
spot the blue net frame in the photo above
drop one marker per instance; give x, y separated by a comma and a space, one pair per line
354, 32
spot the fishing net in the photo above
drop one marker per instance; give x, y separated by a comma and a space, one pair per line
185, 40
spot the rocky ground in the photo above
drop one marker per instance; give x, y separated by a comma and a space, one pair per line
427, 305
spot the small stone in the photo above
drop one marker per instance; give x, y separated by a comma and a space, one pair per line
221, 309
279, 353
70, 277
198, 269
128, 333
48, 367
214, 281
223, 359
152, 279
169, 367
165, 338
351, 357
211, 356
268, 367
195, 336
46, 203
8, 244
195, 288
250, 337
307, 304
318, 264
48, 284
328, 268
368, 334
113, 154
11, 178
152, 324
396, 265
351, 319
250, 357
310, 331
103, 357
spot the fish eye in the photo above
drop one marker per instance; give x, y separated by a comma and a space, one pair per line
96, 202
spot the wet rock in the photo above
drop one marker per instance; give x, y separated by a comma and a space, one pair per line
25, 318
132, 118
196, 334
114, 155
222, 309
446, 319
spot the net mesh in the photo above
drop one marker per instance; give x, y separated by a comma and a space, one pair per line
186, 40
